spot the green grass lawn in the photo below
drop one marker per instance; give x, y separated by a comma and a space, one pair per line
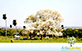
7, 39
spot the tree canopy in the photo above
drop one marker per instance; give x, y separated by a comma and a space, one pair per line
46, 21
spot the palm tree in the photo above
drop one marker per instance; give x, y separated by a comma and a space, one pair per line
15, 23
4, 17
11, 29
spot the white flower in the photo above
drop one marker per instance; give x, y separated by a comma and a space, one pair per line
60, 34
31, 31
50, 20
38, 33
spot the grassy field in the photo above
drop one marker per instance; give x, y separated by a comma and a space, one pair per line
7, 39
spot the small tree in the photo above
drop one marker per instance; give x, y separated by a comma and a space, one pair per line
24, 32
11, 29
4, 17
15, 23
71, 40
62, 26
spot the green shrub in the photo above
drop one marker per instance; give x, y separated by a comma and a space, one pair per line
72, 32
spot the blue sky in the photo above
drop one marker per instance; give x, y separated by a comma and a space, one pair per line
71, 10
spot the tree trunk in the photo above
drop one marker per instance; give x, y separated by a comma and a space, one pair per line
6, 27
16, 30
41, 37
30, 37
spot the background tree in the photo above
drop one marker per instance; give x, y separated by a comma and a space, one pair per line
15, 23
4, 17
62, 26
11, 30
2, 32
24, 31
45, 21
24, 27
10, 26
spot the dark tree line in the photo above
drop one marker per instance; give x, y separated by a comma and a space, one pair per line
72, 32
10, 32
66, 32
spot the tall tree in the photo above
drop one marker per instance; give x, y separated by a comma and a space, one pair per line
15, 23
4, 17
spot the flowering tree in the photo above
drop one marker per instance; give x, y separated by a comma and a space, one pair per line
46, 21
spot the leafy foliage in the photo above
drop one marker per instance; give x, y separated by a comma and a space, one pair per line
10, 32
72, 32
4, 16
